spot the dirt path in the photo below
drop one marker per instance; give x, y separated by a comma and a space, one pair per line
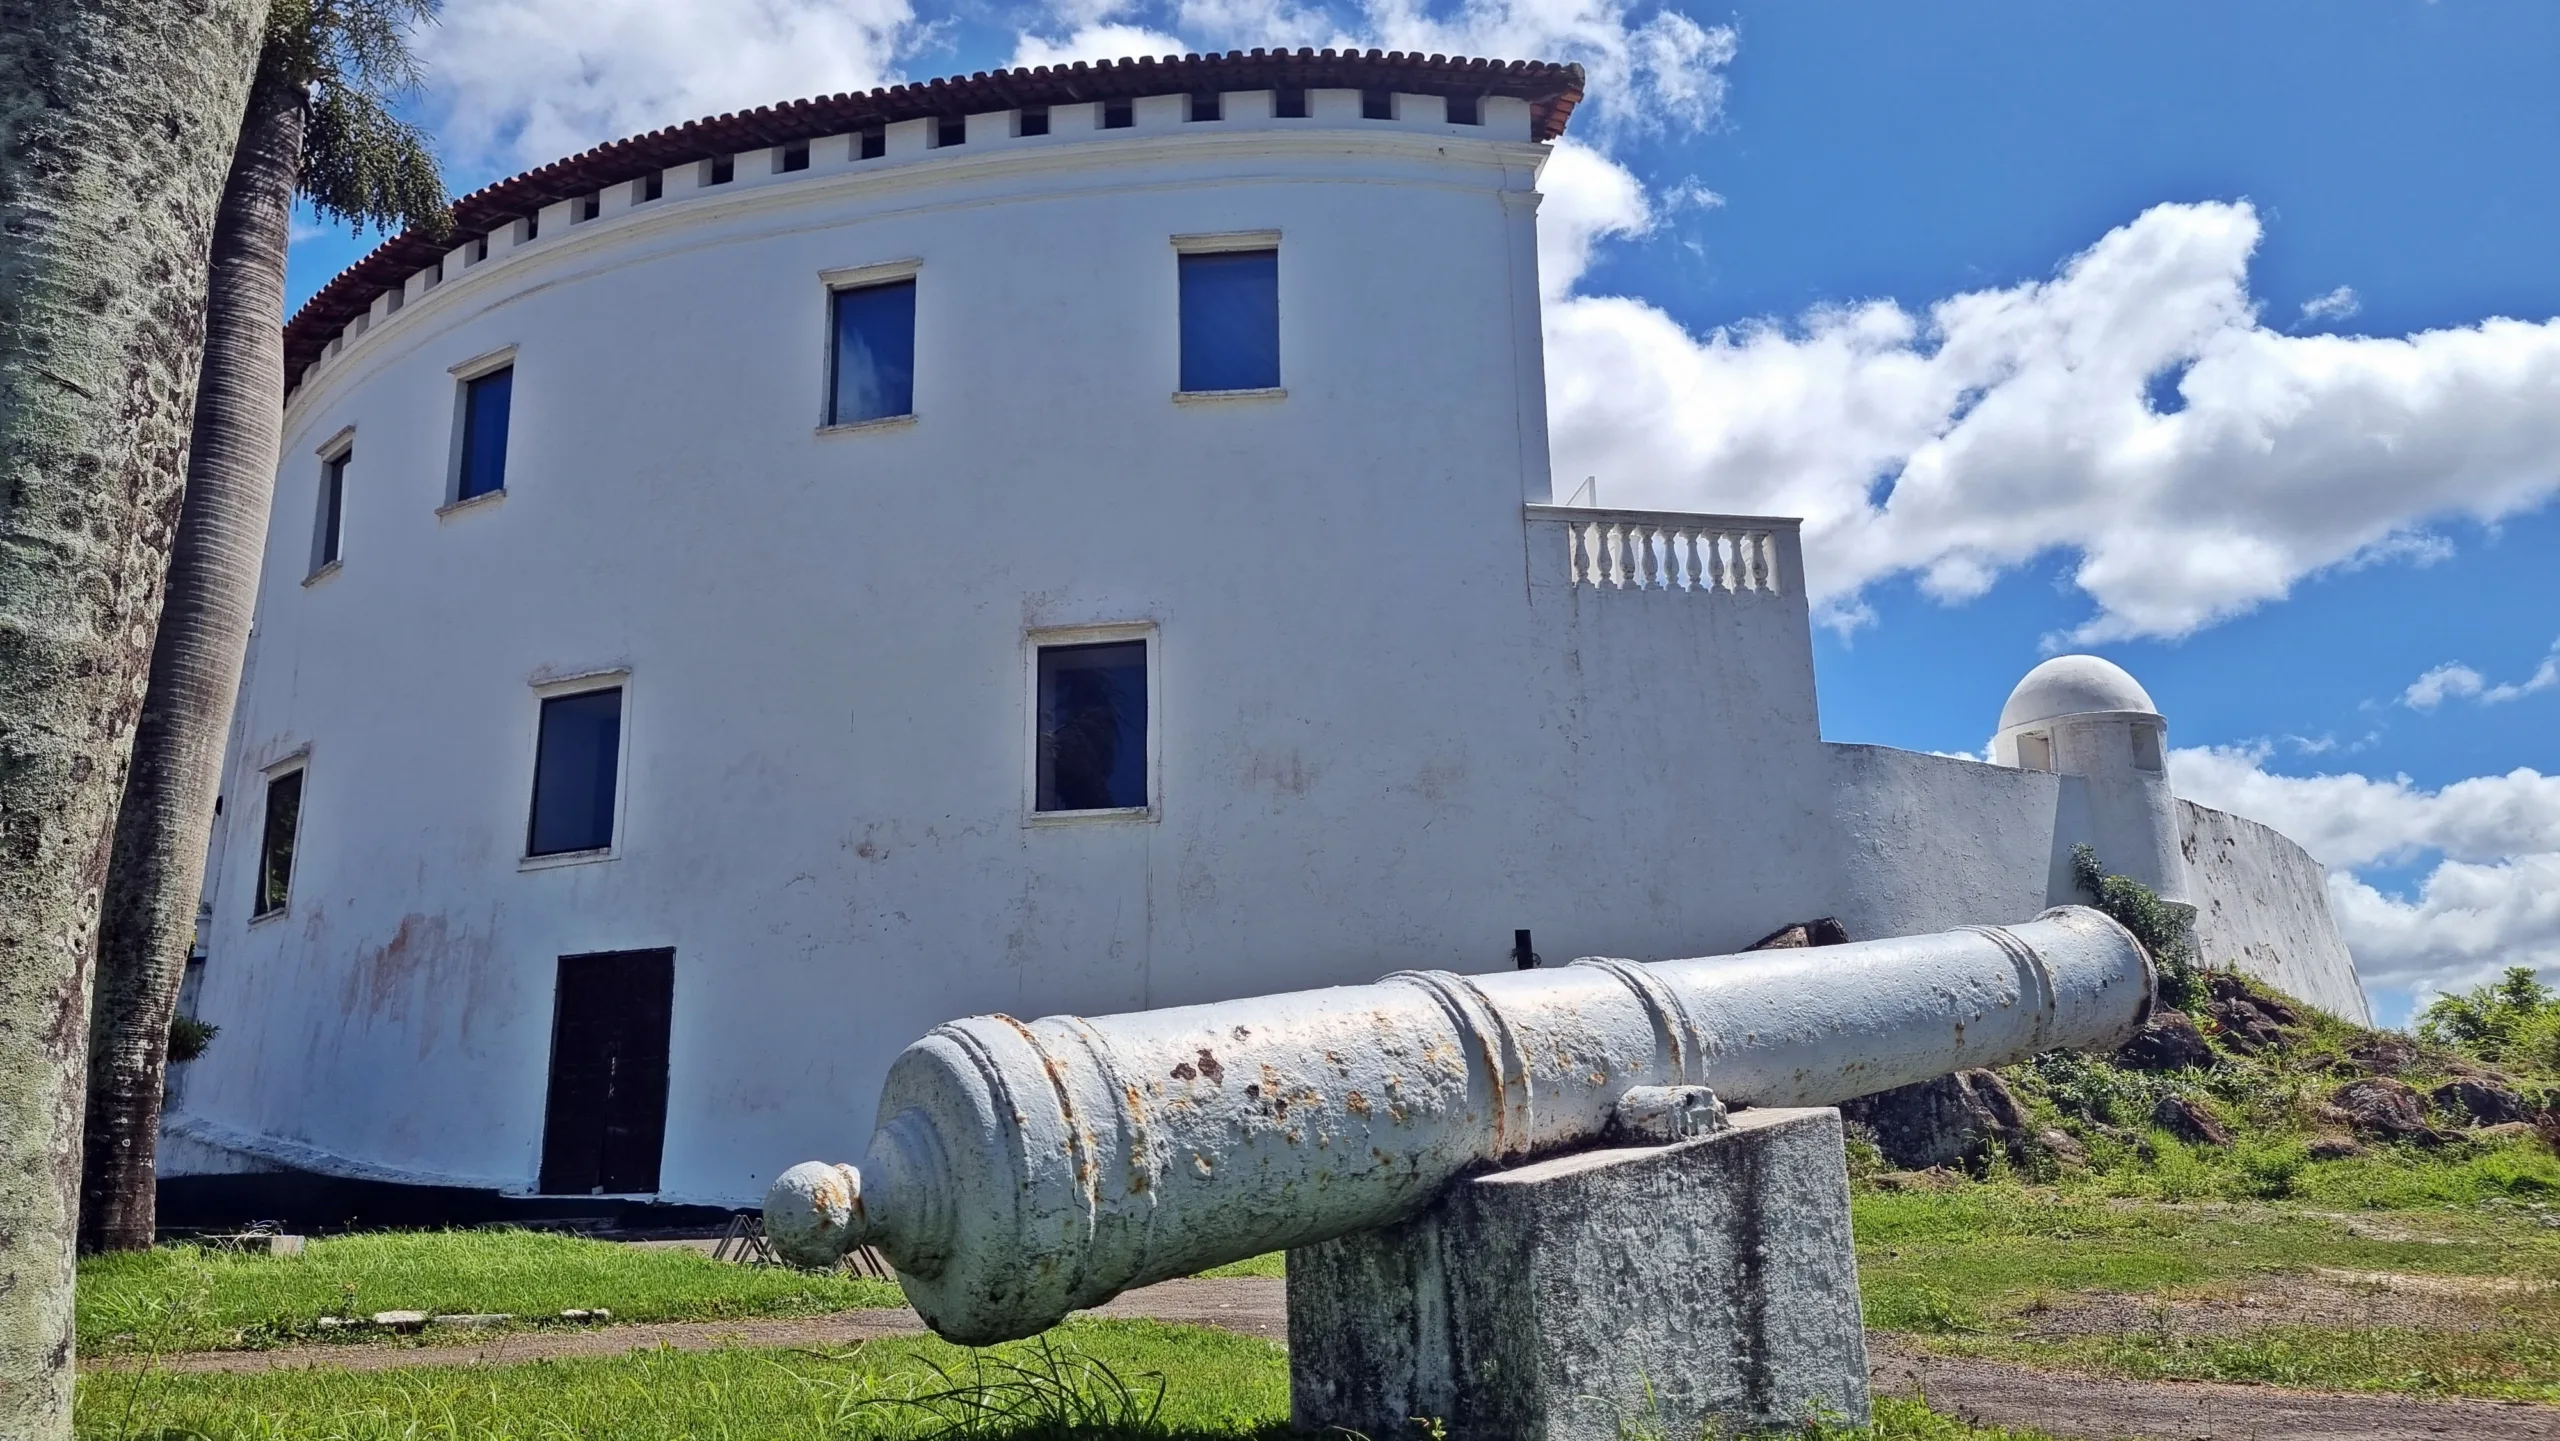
1983, 1392
1255, 1305
2100, 1409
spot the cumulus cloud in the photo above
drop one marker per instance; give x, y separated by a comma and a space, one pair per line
2001, 425
2454, 679
526, 81
2490, 898
1094, 42
1649, 68
2339, 304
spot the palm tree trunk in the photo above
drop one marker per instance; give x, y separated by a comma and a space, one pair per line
156, 876
117, 120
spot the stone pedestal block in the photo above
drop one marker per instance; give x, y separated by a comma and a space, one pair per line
1704, 1283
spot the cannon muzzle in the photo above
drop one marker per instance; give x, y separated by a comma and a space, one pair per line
1021, 1171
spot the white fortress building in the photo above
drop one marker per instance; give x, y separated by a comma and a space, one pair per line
1074, 539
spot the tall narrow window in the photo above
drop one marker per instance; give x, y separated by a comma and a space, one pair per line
275, 841
1093, 727
875, 353
1231, 320
333, 500
586, 207
486, 400
529, 229
648, 187
575, 763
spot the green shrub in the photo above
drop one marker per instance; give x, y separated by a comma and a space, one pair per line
2515, 1021
2163, 928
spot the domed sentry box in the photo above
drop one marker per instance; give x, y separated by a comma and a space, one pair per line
2084, 716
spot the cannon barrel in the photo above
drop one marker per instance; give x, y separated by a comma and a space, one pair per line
1023, 1171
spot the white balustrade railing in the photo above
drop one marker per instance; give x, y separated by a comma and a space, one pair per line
1672, 550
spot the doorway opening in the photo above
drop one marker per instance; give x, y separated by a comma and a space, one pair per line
605, 1125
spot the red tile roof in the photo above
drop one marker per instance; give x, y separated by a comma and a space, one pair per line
1551, 90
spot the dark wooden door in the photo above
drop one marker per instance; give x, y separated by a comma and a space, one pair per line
606, 1122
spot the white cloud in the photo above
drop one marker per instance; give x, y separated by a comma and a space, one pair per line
2456, 679
2490, 900
523, 82
2001, 425
2429, 691
1095, 42
1645, 71
2339, 304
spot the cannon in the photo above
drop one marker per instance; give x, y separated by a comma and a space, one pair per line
1021, 1171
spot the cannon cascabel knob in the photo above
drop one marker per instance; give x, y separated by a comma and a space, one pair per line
813, 1214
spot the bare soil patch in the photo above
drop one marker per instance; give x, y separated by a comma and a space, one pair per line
1252, 1305
2333, 1298
2103, 1409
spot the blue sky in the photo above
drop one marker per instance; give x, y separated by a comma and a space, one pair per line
2020, 304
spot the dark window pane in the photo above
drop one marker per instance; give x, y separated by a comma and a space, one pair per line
720, 170
1206, 107
1290, 103
875, 354
485, 403
1465, 110
333, 495
794, 156
951, 130
1377, 105
1093, 727
1035, 120
1231, 320
573, 773
872, 145
1119, 114
275, 846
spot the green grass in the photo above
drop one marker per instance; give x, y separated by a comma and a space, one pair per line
1267, 1264
1968, 1271
1212, 1384
188, 1298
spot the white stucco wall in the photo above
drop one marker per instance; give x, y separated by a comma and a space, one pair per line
1390, 735
1930, 842
2262, 904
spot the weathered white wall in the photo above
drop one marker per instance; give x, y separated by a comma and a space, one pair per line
1928, 842
1388, 739
1931, 842
2262, 904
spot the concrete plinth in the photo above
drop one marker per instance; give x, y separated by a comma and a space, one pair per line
1704, 1282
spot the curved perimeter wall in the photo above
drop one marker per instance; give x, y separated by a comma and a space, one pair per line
2262, 905
1932, 842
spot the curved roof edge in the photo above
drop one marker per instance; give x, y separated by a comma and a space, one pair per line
1551, 90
